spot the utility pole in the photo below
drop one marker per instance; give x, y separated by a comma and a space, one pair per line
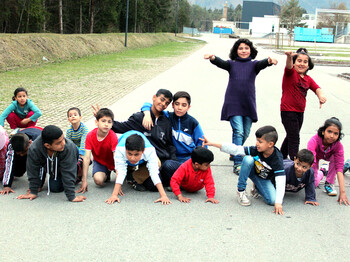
127, 21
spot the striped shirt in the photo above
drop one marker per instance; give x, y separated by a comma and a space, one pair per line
78, 137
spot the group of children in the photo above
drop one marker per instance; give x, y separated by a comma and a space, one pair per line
167, 151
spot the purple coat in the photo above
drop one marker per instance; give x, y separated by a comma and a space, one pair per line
240, 93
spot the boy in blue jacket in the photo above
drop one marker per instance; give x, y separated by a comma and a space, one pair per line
299, 175
186, 130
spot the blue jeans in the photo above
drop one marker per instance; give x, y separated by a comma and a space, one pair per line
264, 186
240, 131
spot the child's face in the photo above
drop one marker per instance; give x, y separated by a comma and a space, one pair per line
133, 156
301, 64
181, 106
262, 145
330, 135
57, 145
202, 167
243, 50
300, 167
104, 124
21, 98
160, 102
74, 117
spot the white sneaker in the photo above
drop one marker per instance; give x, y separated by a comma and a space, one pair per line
254, 193
242, 198
329, 189
14, 131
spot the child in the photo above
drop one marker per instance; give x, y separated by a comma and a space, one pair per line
101, 142
295, 85
326, 145
4, 139
77, 133
263, 164
16, 157
134, 149
21, 112
195, 174
240, 103
52, 155
186, 129
299, 175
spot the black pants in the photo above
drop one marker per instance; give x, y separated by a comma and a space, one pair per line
292, 122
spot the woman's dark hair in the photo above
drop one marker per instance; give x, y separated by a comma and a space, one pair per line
233, 52
303, 51
333, 121
19, 89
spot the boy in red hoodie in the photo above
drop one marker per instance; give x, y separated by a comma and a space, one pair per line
195, 174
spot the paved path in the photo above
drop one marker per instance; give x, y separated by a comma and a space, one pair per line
52, 229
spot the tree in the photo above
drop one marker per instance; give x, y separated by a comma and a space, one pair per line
290, 15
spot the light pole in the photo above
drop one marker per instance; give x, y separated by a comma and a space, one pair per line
127, 21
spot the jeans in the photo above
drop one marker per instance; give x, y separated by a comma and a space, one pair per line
240, 131
264, 186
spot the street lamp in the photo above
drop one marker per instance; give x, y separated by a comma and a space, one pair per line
127, 21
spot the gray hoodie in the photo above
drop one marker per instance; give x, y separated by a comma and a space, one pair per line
64, 165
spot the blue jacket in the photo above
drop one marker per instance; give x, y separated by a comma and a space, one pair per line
186, 132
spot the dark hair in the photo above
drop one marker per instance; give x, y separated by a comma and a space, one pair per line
104, 112
233, 52
305, 155
19, 89
166, 93
182, 94
201, 155
333, 121
19, 142
303, 51
73, 108
135, 142
268, 133
51, 133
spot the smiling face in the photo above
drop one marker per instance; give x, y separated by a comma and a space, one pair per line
300, 167
301, 64
160, 103
21, 98
74, 117
243, 50
181, 106
330, 135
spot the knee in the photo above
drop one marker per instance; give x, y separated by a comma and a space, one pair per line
99, 179
248, 161
270, 200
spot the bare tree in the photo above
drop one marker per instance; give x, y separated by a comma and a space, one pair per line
92, 15
330, 20
60, 16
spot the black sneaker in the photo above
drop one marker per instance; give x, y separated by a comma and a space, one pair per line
138, 187
236, 169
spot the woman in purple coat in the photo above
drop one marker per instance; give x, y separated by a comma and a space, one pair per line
240, 103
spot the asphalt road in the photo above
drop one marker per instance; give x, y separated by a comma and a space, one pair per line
50, 228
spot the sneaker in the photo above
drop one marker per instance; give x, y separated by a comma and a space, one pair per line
168, 188
254, 193
328, 188
138, 187
237, 169
324, 169
242, 198
231, 158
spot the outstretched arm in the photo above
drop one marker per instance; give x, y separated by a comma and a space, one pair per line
320, 96
289, 61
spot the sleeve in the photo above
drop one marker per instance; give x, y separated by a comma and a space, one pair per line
198, 133
176, 180
261, 64
88, 144
310, 193
221, 63
69, 133
232, 149
339, 157
68, 165
313, 85
9, 167
33, 171
120, 165
280, 188
133, 123
209, 184
35, 109
152, 165
5, 113
114, 141
146, 107
312, 146
85, 131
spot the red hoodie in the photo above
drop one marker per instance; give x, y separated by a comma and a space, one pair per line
191, 180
